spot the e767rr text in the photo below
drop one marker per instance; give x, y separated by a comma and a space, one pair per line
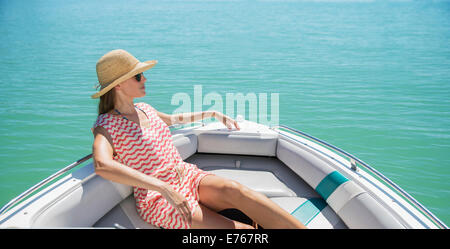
249, 238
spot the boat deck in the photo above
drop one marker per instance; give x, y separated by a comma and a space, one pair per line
296, 173
264, 174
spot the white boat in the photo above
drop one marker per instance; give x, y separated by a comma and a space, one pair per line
320, 184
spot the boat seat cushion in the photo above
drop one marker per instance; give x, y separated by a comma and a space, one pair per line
124, 215
282, 177
353, 204
363, 212
185, 144
312, 212
260, 181
254, 144
306, 164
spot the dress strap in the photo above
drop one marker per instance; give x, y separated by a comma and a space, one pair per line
140, 109
120, 114
126, 117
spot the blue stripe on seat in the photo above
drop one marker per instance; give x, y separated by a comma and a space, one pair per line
309, 209
330, 183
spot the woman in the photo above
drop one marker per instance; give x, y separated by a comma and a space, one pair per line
133, 146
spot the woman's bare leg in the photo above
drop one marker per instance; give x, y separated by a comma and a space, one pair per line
204, 218
218, 193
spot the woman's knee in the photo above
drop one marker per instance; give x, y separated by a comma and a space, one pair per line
234, 191
220, 193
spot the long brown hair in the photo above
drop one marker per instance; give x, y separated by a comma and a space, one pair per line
106, 103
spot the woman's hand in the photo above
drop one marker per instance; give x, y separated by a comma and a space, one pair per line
178, 201
227, 121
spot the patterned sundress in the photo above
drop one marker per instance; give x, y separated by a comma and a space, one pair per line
151, 151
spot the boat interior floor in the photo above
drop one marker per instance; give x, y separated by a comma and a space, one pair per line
264, 174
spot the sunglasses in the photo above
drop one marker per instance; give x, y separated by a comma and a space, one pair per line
139, 77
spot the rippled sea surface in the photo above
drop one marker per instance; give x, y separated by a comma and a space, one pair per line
370, 77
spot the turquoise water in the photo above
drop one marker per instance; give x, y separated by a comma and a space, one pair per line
370, 77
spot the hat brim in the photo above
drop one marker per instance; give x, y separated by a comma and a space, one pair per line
139, 68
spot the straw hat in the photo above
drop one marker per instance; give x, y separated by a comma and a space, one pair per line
117, 66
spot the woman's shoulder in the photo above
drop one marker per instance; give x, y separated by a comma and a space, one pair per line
100, 123
103, 119
145, 106
103, 116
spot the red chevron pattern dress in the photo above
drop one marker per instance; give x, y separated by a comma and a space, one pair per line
151, 151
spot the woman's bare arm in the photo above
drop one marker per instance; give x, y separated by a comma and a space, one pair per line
189, 117
185, 118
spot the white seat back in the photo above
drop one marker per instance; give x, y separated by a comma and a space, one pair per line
251, 144
354, 205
